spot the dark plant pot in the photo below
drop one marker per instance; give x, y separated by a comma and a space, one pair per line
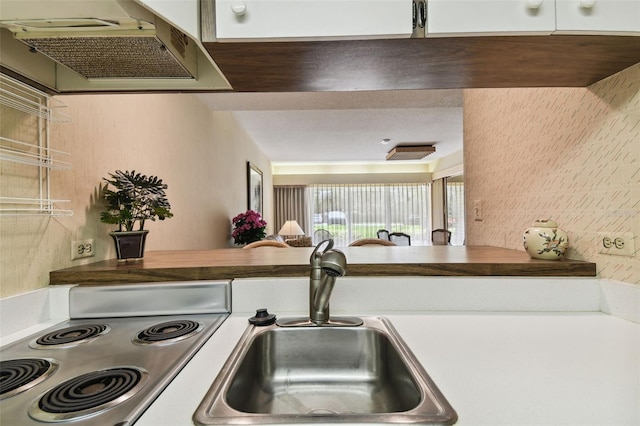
129, 244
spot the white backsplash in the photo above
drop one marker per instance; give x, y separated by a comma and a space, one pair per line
38, 308
415, 295
410, 295
620, 299
28, 313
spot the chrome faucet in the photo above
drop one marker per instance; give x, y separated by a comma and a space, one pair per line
327, 264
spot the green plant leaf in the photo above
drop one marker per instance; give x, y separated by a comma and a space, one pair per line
134, 199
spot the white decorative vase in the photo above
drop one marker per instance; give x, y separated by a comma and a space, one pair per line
544, 240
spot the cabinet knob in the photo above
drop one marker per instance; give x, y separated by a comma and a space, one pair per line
587, 4
239, 8
534, 4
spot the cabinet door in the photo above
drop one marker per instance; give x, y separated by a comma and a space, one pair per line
268, 20
490, 17
598, 16
180, 13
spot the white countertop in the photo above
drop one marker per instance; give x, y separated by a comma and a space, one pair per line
503, 351
494, 368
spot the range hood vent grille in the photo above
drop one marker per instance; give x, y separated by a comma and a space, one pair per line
111, 57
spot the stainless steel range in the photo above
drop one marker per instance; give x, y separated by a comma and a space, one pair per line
120, 348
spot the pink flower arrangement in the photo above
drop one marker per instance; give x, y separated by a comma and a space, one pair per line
248, 227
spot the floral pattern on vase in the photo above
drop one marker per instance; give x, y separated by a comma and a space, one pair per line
544, 240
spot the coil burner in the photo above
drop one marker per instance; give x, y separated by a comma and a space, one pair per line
70, 336
167, 332
88, 394
101, 377
18, 375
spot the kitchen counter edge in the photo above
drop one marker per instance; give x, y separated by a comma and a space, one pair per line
224, 264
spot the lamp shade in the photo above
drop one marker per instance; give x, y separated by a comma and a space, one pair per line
291, 227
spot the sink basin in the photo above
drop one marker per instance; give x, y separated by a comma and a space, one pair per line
362, 374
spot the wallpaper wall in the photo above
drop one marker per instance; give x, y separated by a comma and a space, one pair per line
200, 154
570, 154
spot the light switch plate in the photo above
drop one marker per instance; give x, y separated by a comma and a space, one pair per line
477, 210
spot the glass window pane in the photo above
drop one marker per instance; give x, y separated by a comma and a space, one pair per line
351, 212
455, 212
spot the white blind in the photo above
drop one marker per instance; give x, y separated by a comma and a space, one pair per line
455, 212
355, 211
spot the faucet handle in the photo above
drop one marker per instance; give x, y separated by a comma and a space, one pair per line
317, 249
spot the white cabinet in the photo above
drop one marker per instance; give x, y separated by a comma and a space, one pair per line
450, 18
179, 13
269, 20
447, 18
283, 20
598, 17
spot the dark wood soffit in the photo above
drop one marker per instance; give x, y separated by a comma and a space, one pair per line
432, 63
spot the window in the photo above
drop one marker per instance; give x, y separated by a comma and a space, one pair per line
455, 211
351, 212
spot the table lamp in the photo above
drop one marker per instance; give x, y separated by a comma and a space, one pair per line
291, 228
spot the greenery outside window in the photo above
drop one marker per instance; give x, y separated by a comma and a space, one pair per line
351, 212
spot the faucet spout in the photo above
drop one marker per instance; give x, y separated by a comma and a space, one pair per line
319, 310
326, 266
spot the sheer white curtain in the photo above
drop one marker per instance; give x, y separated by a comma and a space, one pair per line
351, 212
438, 200
290, 203
455, 212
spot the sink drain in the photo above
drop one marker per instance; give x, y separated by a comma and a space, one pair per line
322, 411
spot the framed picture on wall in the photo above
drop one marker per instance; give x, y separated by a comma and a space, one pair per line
254, 188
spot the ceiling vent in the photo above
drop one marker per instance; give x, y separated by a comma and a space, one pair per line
410, 152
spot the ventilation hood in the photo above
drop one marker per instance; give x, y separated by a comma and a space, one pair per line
107, 45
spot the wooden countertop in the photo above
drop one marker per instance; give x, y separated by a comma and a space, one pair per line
223, 264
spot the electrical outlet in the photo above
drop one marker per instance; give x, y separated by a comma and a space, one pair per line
616, 243
82, 248
477, 210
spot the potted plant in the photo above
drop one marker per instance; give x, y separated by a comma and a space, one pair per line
134, 199
248, 227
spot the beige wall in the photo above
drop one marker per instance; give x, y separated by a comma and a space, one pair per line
571, 154
200, 154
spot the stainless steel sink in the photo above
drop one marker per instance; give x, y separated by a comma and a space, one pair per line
362, 374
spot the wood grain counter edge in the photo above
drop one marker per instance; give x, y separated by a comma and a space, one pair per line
226, 264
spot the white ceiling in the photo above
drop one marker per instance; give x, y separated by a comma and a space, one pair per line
329, 127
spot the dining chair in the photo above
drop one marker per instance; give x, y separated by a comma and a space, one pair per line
383, 234
440, 237
400, 238
266, 243
371, 241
